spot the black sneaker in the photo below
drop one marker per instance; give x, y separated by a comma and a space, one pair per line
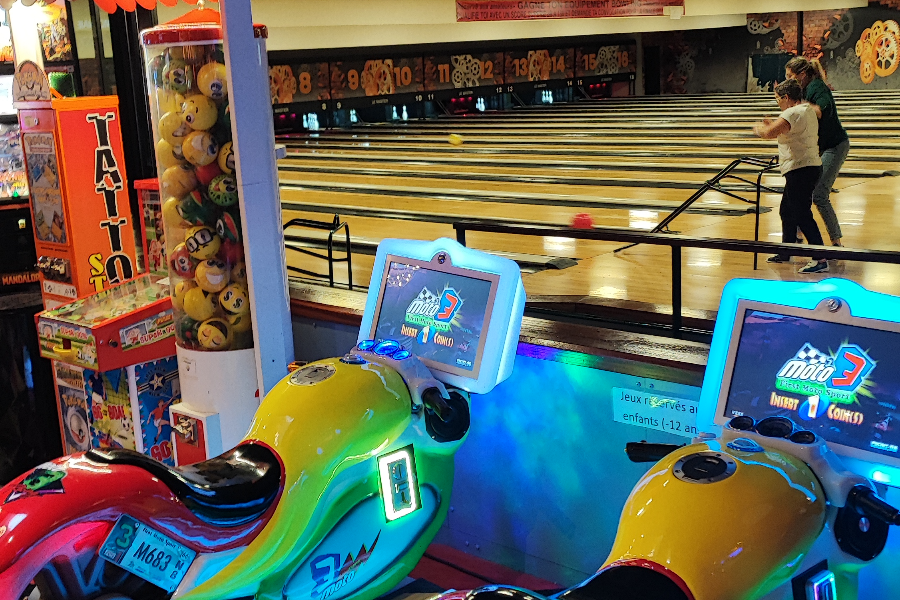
814, 266
778, 258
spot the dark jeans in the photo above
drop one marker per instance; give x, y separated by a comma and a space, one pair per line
796, 206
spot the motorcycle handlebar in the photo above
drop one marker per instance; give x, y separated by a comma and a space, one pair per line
641, 452
437, 404
868, 503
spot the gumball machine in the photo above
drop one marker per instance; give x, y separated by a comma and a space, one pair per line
189, 104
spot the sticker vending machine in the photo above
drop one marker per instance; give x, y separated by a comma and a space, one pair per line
83, 227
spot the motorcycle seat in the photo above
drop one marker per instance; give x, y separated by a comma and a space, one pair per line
230, 489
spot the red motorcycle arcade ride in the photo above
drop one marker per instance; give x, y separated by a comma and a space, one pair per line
336, 490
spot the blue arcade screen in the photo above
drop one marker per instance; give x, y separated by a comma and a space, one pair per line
437, 316
840, 381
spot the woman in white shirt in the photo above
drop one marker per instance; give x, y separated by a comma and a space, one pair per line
797, 130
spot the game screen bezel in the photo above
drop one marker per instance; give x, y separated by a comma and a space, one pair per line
821, 315
446, 269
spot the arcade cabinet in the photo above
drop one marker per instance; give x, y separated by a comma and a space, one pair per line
785, 502
116, 373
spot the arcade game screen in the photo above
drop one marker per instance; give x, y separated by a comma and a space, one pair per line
440, 317
840, 381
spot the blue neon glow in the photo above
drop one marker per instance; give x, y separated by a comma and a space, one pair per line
386, 348
880, 477
366, 345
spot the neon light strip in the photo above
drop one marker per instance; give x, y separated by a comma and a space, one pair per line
387, 492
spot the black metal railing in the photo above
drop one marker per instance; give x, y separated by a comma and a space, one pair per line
676, 243
715, 184
332, 227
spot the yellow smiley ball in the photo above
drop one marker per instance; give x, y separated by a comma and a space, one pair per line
198, 304
234, 299
179, 291
168, 101
177, 181
200, 148
239, 273
215, 334
166, 155
202, 242
212, 81
171, 216
199, 112
226, 158
212, 276
173, 129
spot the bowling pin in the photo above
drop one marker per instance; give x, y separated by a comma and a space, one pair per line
305, 122
405, 114
394, 113
353, 117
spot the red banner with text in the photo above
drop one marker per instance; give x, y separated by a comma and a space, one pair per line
520, 10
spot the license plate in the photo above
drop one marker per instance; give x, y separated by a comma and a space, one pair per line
147, 553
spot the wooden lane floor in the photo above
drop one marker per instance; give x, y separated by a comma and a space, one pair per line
739, 142
456, 159
869, 215
883, 152
507, 178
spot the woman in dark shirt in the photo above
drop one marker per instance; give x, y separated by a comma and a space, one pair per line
834, 144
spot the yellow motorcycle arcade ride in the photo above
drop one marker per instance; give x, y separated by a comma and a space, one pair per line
335, 492
804, 380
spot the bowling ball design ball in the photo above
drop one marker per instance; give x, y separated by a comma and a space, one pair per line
173, 129
199, 112
228, 227
202, 242
239, 273
196, 209
181, 288
226, 158
200, 148
198, 304
177, 75
223, 190
212, 276
177, 181
213, 81
455, 139
207, 173
181, 263
167, 155
235, 299
215, 334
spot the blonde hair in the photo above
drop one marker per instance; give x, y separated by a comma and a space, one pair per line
800, 65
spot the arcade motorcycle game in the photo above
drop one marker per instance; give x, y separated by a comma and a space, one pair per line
768, 509
336, 490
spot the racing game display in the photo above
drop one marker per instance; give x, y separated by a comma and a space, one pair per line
840, 381
440, 317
